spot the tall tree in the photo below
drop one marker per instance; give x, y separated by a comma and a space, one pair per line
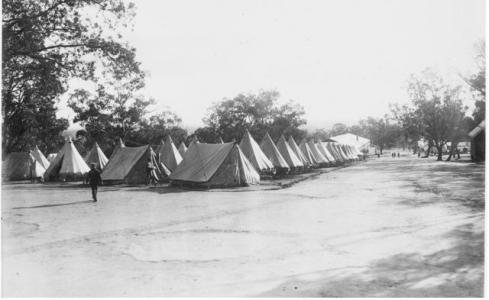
477, 83
157, 127
360, 128
320, 134
108, 117
287, 120
206, 135
45, 43
437, 109
339, 128
381, 132
410, 126
259, 113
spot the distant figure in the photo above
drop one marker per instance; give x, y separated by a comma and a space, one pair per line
457, 152
32, 169
150, 172
94, 179
398, 155
419, 153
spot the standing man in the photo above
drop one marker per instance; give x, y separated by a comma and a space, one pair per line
94, 179
150, 172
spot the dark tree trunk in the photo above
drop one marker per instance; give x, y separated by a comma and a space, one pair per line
450, 155
440, 153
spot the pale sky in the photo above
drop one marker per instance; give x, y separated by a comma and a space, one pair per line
342, 60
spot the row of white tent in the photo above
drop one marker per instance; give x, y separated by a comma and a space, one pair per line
66, 164
210, 165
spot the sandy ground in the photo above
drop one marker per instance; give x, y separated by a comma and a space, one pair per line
387, 227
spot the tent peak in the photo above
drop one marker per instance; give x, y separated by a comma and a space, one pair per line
121, 142
168, 139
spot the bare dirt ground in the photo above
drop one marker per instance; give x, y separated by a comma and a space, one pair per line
384, 228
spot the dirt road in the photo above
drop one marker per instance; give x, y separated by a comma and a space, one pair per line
387, 227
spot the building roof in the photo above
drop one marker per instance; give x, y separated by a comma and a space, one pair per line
352, 140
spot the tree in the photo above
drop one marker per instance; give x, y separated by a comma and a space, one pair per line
259, 113
319, 135
45, 43
108, 117
287, 120
206, 135
360, 128
410, 126
477, 83
437, 109
152, 130
339, 128
381, 132
459, 133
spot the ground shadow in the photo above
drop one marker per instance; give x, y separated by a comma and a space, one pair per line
53, 205
44, 186
161, 189
441, 183
454, 272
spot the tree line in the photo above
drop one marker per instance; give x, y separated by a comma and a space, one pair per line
48, 43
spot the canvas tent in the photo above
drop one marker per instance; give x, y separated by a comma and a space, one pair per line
255, 155
159, 148
21, 166
334, 151
128, 165
215, 165
343, 153
358, 142
195, 140
182, 149
119, 145
96, 156
306, 150
355, 152
273, 154
298, 152
326, 153
288, 154
40, 157
169, 155
339, 152
68, 164
349, 151
323, 161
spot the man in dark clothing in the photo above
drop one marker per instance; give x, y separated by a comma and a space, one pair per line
94, 179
